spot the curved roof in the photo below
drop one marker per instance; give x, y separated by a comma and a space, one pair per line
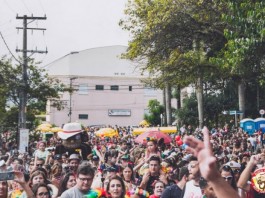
101, 61
246, 119
259, 119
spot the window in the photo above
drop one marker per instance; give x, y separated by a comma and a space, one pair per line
148, 91
83, 116
83, 89
99, 87
114, 87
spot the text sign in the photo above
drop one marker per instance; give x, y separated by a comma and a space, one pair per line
23, 140
235, 112
119, 112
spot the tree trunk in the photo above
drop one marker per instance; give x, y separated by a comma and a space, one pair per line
242, 98
199, 96
164, 119
168, 105
258, 104
179, 97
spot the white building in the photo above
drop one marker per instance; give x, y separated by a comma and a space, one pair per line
109, 90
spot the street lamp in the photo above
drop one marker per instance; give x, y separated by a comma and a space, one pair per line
70, 99
161, 118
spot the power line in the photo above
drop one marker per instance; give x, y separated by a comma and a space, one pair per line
10, 7
26, 6
6, 22
41, 6
9, 49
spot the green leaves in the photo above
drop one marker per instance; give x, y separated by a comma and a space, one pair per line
39, 89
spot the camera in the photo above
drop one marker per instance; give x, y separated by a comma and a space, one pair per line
7, 176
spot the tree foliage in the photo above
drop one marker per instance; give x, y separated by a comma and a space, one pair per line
155, 110
39, 89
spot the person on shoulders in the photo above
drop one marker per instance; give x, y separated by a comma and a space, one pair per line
154, 173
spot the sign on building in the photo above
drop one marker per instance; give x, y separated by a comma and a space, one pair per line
119, 112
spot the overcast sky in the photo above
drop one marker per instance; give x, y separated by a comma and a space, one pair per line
72, 25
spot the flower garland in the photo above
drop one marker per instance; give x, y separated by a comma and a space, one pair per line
148, 139
96, 193
140, 192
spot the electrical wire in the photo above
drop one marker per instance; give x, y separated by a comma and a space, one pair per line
6, 22
41, 6
9, 7
9, 49
26, 6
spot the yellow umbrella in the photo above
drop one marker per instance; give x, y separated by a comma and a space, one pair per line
56, 129
144, 123
168, 130
44, 129
106, 132
45, 125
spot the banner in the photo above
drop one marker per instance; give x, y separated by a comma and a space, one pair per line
23, 140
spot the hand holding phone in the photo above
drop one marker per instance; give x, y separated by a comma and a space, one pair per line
4, 176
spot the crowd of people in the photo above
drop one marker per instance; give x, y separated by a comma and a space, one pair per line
196, 163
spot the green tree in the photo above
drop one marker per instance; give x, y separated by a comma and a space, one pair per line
40, 88
173, 40
155, 110
245, 34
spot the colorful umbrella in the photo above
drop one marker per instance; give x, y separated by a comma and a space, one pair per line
56, 129
144, 123
155, 134
169, 130
106, 132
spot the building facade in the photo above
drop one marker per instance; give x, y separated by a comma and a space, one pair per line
107, 89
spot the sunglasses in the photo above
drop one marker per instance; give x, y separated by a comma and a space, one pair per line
228, 178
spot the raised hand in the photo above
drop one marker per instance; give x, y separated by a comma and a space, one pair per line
203, 151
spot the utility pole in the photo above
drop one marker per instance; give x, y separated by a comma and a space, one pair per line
70, 99
24, 84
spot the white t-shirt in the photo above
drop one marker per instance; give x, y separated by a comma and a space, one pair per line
192, 191
41, 154
73, 192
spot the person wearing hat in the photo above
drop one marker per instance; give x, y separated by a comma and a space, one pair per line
95, 161
74, 161
74, 139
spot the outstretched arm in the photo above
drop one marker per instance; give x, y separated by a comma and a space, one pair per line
19, 178
244, 177
207, 165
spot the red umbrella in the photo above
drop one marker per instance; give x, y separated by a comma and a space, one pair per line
155, 134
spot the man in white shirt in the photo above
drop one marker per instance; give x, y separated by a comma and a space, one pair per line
192, 188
